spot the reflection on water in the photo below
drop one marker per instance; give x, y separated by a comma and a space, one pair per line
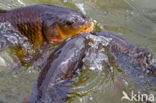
132, 19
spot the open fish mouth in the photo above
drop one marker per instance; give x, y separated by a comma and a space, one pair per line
87, 27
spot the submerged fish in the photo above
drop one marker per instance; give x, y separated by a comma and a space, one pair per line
57, 75
137, 63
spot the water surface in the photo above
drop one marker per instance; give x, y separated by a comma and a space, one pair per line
134, 20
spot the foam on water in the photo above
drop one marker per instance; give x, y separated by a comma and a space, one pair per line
95, 56
81, 7
12, 74
95, 77
9, 36
2, 62
8, 61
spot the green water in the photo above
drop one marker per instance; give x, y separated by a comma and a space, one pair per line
134, 20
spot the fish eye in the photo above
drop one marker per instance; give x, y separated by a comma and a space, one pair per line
79, 19
69, 22
74, 20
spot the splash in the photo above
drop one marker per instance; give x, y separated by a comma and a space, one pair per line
95, 78
12, 38
21, 2
95, 56
9, 36
81, 7
8, 61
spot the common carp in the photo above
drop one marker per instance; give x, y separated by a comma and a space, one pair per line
56, 76
46, 23
137, 63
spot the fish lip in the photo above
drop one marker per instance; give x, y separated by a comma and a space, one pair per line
88, 27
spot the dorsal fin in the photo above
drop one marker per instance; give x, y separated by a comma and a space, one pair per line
3, 11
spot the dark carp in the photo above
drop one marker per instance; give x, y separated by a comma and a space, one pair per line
135, 62
52, 85
57, 75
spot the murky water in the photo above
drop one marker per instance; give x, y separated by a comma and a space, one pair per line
134, 20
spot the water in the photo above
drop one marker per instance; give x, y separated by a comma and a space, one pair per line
132, 19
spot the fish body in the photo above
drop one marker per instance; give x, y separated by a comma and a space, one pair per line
57, 74
42, 25
46, 23
137, 63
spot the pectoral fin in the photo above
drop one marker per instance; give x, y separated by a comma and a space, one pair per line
3, 11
